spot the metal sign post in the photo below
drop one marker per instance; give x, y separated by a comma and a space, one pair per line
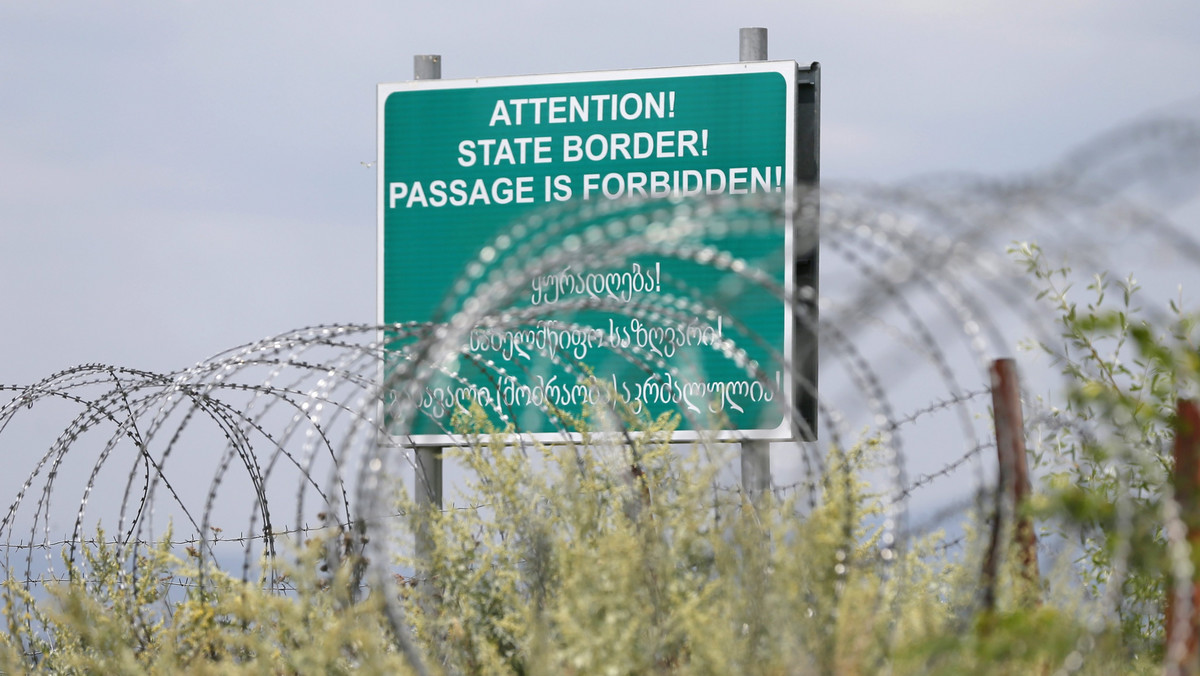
756, 455
427, 466
467, 168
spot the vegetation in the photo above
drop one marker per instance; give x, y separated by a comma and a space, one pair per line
1106, 458
619, 555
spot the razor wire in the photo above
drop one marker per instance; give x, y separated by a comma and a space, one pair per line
314, 426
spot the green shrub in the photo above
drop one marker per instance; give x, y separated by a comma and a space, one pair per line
612, 558
117, 617
620, 554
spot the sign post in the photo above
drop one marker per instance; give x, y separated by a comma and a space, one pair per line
427, 460
756, 455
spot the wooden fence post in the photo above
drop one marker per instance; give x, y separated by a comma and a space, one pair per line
1181, 653
1012, 490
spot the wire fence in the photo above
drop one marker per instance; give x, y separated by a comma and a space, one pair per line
245, 450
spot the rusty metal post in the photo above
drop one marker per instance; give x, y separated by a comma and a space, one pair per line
1186, 481
1013, 488
1010, 449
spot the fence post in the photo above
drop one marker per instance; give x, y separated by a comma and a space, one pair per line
1181, 653
1012, 489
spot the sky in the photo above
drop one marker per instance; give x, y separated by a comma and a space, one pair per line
180, 178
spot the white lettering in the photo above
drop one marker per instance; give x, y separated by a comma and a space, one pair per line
499, 114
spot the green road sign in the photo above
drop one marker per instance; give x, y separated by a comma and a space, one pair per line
463, 161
